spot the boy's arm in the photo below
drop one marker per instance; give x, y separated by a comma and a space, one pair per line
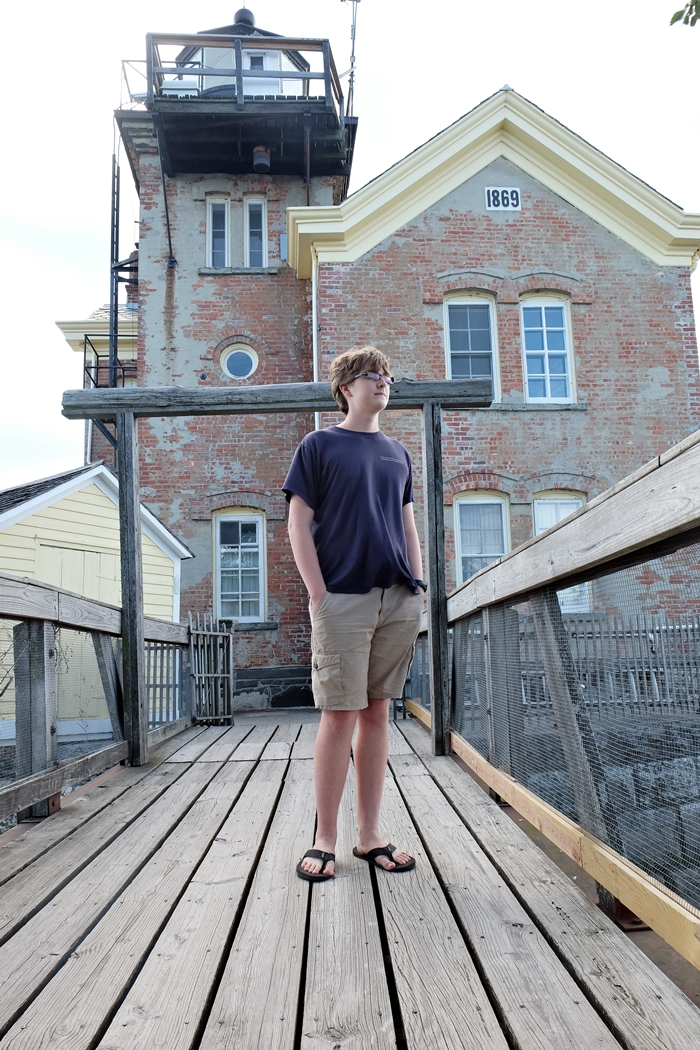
304, 549
415, 560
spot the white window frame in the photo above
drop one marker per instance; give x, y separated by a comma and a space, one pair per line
227, 232
241, 515
480, 497
576, 599
248, 202
540, 299
474, 299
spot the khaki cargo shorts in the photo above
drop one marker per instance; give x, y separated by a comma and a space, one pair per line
361, 646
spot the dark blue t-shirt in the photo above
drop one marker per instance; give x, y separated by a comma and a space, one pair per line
357, 485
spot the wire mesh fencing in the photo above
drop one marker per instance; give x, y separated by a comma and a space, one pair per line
596, 710
60, 693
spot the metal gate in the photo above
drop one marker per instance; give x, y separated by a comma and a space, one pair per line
212, 670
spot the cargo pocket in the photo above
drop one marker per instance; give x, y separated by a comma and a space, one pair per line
326, 678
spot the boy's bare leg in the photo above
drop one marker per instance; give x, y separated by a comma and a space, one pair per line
331, 761
371, 752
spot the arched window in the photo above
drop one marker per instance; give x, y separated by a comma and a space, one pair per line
545, 323
471, 338
481, 531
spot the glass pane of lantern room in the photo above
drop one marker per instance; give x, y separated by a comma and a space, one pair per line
259, 60
218, 58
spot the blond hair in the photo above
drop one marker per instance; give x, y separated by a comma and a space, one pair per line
348, 365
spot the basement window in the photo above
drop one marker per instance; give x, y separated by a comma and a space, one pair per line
218, 233
255, 233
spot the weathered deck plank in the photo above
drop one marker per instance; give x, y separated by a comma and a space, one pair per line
254, 744
222, 749
305, 742
539, 1002
28, 891
639, 1002
71, 1010
256, 1003
397, 743
197, 747
346, 997
20, 852
443, 1003
35, 951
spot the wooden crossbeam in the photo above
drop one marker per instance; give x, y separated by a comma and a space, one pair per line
105, 403
127, 404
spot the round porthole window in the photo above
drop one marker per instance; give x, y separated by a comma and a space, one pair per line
239, 361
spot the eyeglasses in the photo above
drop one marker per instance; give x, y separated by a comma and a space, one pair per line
376, 376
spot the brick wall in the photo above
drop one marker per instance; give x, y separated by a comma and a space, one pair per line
634, 345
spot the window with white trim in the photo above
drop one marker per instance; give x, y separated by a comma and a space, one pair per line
240, 543
255, 233
548, 511
481, 532
218, 233
470, 342
545, 331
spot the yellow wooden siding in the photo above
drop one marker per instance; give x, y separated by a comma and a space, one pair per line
74, 544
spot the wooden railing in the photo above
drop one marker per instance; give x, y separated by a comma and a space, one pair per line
41, 610
509, 618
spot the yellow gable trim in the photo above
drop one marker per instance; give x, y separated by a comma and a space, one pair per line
509, 126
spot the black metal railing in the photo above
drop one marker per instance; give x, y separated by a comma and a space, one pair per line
99, 373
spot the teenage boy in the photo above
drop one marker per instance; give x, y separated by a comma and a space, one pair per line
355, 544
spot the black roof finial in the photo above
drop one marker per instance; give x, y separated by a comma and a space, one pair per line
245, 16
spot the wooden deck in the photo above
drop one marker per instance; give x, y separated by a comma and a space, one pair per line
161, 910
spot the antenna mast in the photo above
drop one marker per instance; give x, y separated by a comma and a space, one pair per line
351, 82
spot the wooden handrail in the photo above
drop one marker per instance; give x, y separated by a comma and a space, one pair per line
25, 599
676, 921
651, 512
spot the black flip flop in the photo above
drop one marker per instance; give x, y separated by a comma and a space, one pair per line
316, 854
384, 851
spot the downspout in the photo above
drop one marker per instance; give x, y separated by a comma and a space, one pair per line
314, 327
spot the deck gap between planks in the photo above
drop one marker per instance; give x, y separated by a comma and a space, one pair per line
399, 1029
483, 976
299, 1022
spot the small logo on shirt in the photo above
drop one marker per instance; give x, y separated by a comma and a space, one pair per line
391, 459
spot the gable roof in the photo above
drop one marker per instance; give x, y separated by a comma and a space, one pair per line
20, 494
505, 125
20, 502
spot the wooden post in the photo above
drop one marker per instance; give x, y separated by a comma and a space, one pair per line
186, 684
437, 596
107, 664
504, 691
581, 753
133, 657
34, 643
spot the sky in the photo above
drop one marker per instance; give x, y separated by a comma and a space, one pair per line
613, 71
